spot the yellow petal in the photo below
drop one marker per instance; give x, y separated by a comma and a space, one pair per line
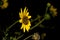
24, 9
27, 13
54, 9
21, 10
20, 20
24, 28
29, 17
27, 28
29, 23
20, 15
55, 14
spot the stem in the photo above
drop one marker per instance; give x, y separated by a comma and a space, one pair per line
35, 19
27, 37
38, 24
11, 26
20, 36
46, 9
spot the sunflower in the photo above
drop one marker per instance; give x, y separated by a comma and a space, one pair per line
25, 19
53, 10
3, 4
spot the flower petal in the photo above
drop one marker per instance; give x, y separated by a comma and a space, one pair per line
20, 15
27, 28
24, 28
54, 9
21, 26
29, 17
27, 14
24, 9
20, 20
29, 23
21, 10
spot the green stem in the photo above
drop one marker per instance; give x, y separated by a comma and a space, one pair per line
11, 26
27, 37
38, 24
35, 19
20, 36
46, 9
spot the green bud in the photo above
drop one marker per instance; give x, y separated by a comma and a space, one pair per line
47, 16
48, 4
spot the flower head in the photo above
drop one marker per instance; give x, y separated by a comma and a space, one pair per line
36, 36
53, 10
3, 4
24, 15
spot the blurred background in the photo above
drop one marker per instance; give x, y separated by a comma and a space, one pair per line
11, 14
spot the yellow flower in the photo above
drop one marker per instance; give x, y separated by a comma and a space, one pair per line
53, 10
36, 36
25, 19
4, 4
4, 0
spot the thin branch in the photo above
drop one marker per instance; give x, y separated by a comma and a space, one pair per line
27, 37
36, 18
11, 26
20, 36
38, 24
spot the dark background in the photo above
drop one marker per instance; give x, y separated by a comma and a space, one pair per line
11, 14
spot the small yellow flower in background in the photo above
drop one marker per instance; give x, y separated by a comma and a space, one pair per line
36, 36
4, 4
4, 0
53, 10
24, 15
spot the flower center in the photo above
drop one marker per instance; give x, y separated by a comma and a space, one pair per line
25, 20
